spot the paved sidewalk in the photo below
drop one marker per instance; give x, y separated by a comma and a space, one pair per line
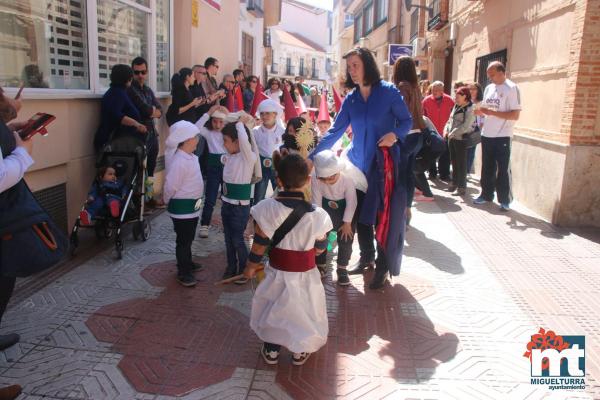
475, 285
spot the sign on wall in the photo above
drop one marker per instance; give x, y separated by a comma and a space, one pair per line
195, 13
216, 4
396, 51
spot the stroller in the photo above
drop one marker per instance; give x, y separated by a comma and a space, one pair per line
127, 153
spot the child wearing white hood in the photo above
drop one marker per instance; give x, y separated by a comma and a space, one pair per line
336, 193
182, 193
268, 139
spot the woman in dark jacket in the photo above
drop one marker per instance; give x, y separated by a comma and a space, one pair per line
183, 105
405, 78
118, 114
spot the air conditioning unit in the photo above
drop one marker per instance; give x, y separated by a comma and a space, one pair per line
418, 47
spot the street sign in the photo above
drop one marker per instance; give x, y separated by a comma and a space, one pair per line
397, 50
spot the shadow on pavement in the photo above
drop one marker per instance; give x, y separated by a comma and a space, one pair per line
418, 245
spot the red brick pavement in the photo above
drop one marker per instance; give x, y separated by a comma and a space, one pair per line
183, 340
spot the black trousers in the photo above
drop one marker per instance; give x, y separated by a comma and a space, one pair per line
443, 164
458, 156
186, 232
7, 286
272, 346
344, 245
365, 233
151, 153
495, 169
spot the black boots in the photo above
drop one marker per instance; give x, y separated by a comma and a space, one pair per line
361, 267
380, 276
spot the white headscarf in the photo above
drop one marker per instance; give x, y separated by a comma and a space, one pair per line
179, 132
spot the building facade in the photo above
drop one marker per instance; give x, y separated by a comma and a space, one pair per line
550, 50
342, 40
63, 51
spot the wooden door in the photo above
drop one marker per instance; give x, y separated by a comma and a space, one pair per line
248, 53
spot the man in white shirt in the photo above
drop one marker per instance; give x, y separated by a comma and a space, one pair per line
501, 107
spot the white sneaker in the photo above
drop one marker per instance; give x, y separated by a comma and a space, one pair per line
203, 231
300, 358
270, 357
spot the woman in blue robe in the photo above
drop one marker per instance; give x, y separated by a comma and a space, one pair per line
379, 119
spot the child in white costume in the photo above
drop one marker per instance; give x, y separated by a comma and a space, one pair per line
182, 193
268, 138
335, 192
288, 308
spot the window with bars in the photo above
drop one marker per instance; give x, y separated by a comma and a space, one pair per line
482, 63
414, 25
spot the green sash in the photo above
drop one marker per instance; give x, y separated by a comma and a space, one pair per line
266, 162
237, 191
214, 160
184, 206
334, 206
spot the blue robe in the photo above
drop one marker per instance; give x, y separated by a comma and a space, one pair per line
375, 195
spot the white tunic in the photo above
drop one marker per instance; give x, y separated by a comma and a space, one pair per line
214, 139
268, 140
183, 180
239, 167
342, 189
289, 308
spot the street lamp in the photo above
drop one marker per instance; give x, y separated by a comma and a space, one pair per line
408, 4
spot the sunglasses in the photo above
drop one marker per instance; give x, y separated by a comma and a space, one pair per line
253, 81
144, 72
201, 73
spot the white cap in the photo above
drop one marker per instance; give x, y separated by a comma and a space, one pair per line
219, 114
179, 132
327, 164
268, 105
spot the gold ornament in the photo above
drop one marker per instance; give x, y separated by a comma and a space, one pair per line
305, 139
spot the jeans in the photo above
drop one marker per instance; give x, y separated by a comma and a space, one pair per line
151, 153
235, 218
344, 245
7, 286
260, 188
458, 155
470, 158
365, 233
414, 142
214, 178
185, 229
443, 165
495, 169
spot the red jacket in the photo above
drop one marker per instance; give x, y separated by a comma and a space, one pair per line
438, 112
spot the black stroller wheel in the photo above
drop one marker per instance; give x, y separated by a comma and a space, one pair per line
74, 241
146, 229
119, 248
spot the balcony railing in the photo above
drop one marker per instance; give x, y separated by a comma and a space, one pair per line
301, 71
290, 70
255, 7
274, 68
315, 73
438, 20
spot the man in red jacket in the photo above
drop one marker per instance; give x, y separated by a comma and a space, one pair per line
437, 107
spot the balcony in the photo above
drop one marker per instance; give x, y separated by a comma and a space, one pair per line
255, 7
290, 70
440, 14
275, 68
301, 71
315, 74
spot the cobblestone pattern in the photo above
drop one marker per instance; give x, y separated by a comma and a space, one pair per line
474, 286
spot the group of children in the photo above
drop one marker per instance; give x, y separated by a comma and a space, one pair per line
292, 228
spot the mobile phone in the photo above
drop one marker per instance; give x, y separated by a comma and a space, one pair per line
18, 96
36, 124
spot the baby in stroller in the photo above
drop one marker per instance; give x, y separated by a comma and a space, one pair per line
105, 196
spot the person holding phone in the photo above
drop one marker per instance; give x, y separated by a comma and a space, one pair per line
15, 159
119, 115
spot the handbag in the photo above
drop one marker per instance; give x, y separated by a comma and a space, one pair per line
472, 138
30, 241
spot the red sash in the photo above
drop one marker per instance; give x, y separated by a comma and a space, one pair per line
291, 260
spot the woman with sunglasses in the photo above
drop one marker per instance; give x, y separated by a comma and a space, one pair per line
380, 123
183, 105
274, 91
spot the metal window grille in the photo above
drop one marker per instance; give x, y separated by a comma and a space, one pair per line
481, 65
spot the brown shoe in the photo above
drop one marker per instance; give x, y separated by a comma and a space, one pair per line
10, 392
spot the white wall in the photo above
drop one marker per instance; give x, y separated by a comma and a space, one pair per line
308, 24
